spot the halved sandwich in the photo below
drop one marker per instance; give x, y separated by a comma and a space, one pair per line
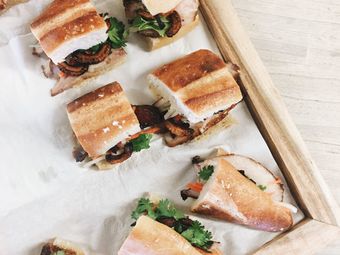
240, 190
106, 127
197, 92
162, 22
162, 229
61, 247
80, 43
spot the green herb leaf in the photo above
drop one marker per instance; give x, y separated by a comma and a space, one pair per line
140, 24
206, 172
141, 142
198, 236
167, 209
262, 187
117, 33
144, 207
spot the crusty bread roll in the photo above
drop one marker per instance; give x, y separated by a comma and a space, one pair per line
197, 85
156, 43
116, 58
102, 118
228, 195
66, 26
152, 237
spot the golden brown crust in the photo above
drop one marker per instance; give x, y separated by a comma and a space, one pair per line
101, 117
75, 28
201, 81
99, 94
55, 8
240, 201
182, 72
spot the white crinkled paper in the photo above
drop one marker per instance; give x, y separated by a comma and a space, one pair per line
45, 194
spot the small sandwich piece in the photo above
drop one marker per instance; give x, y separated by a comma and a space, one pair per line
197, 92
80, 43
106, 127
61, 247
162, 22
162, 229
240, 190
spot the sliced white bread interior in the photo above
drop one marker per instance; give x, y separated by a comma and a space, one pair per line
152, 237
102, 118
66, 26
197, 85
116, 58
230, 196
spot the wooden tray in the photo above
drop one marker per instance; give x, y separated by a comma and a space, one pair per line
321, 225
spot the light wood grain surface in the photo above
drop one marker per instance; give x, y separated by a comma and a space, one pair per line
299, 42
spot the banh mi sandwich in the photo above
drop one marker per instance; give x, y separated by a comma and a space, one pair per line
240, 190
196, 92
106, 127
80, 43
161, 22
162, 229
61, 247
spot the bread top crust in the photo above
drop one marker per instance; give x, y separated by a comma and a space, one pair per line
64, 21
230, 196
102, 118
201, 82
152, 237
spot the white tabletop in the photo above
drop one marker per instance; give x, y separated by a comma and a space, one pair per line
299, 42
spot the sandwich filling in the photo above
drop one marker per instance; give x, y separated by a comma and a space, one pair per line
166, 213
78, 62
146, 22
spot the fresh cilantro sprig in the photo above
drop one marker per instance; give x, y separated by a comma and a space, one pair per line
117, 35
166, 209
205, 173
198, 236
141, 142
161, 26
144, 207
196, 233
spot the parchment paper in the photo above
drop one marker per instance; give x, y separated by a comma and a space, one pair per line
45, 194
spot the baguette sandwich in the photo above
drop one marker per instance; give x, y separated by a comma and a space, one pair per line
240, 190
61, 247
80, 43
197, 92
106, 127
162, 22
162, 229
